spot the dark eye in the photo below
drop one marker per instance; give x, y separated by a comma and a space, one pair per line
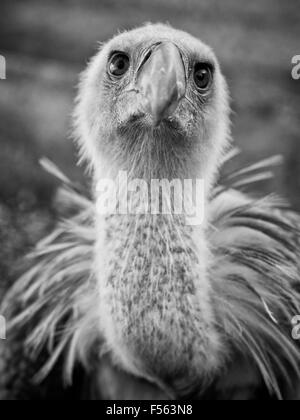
203, 76
118, 64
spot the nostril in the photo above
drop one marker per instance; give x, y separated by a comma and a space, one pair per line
149, 53
146, 58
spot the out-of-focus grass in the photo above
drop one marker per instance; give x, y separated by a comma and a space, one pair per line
47, 43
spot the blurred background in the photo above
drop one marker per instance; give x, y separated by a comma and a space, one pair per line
47, 43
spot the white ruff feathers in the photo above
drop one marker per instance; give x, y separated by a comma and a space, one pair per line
254, 273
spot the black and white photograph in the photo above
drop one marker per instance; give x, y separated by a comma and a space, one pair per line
149, 203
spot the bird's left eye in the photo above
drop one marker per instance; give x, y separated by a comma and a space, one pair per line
118, 64
203, 76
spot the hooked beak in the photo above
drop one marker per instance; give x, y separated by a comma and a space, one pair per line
161, 81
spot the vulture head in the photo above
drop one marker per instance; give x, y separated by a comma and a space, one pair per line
154, 102
190, 308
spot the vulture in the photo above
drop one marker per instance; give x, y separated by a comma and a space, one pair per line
136, 305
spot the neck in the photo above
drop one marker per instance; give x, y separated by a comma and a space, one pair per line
154, 290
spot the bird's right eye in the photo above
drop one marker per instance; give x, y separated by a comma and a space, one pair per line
118, 64
203, 76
